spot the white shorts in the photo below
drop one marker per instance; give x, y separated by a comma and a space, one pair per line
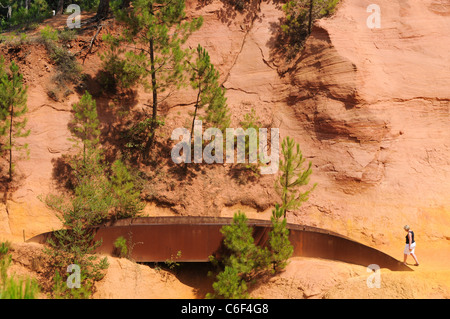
407, 251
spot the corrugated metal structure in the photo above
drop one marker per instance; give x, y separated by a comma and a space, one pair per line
158, 239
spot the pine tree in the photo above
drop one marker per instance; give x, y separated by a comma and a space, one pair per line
238, 238
280, 246
101, 191
74, 244
204, 78
244, 261
103, 9
229, 285
218, 113
157, 30
60, 7
13, 107
293, 176
300, 15
126, 192
85, 126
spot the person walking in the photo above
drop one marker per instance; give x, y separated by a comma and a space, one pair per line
410, 245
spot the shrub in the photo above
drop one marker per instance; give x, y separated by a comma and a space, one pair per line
126, 192
279, 244
136, 135
100, 193
121, 247
172, 262
121, 72
60, 290
245, 256
89, 205
300, 14
15, 39
67, 67
19, 288
4, 248
251, 121
74, 245
229, 285
11, 287
93, 199
242, 263
22, 18
49, 34
67, 35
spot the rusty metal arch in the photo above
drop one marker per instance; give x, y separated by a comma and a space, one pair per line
157, 239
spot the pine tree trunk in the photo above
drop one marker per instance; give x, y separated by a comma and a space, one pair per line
150, 141
103, 9
125, 4
60, 7
151, 138
193, 121
310, 15
10, 142
195, 112
285, 194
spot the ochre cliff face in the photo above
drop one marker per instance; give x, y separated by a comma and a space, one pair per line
369, 107
373, 107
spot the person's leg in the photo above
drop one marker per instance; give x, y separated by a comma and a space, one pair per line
415, 258
405, 253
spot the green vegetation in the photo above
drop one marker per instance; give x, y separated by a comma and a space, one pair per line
15, 39
101, 192
136, 136
246, 257
150, 52
19, 16
73, 245
27, 14
300, 15
4, 248
156, 30
13, 108
86, 5
85, 124
171, 263
229, 285
68, 69
10, 286
204, 80
293, 176
126, 190
121, 247
244, 261
279, 244
250, 123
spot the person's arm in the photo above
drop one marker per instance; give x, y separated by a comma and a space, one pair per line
410, 240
